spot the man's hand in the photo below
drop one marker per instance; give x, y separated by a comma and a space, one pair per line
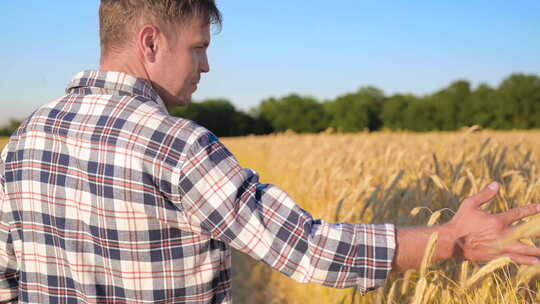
471, 234
478, 234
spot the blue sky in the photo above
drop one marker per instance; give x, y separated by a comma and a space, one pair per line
273, 48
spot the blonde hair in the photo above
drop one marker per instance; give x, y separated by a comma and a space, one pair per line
118, 19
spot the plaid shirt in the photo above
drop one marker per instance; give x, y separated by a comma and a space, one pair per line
108, 198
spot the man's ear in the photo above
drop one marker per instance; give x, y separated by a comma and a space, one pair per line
147, 42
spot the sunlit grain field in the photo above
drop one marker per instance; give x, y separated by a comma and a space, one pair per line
3, 141
385, 177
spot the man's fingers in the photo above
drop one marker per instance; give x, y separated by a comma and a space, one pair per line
523, 259
518, 213
522, 249
484, 196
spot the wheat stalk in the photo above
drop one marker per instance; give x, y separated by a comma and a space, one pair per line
487, 269
526, 230
406, 281
420, 291
526, 273
464, 273
428, 253
434, 218
391, 293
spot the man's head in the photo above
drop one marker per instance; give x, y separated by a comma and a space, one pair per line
164, 41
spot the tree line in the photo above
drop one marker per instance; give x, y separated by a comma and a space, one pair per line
10, 127
513, 104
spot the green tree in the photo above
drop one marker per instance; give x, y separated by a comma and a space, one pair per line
483, 102
420, 115
260, 125
11, 127
518, 102
218, 115
294, 112
393, 110
451, 108
357, 111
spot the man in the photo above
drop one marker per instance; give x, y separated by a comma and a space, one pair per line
107, 198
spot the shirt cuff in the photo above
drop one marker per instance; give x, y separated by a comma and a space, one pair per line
377, 247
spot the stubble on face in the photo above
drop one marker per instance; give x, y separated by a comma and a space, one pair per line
182, 62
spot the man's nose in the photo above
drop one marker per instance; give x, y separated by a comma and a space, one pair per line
205, 67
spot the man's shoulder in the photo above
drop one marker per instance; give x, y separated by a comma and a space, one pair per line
184, 128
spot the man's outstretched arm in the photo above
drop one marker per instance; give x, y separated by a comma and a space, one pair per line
471, 234
221, 200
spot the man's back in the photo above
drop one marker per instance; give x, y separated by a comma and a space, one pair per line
87, 178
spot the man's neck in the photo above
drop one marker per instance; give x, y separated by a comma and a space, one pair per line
125, 63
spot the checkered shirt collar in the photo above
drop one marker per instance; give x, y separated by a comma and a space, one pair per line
114, 83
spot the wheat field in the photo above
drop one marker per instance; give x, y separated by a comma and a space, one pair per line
403, 178
406, 179
3, 141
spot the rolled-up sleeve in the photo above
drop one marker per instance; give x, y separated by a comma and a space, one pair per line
226, 202
9, 286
